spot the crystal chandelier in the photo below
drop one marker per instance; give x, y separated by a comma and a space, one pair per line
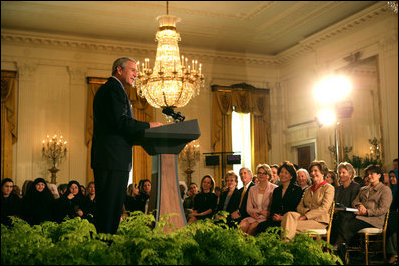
173, 81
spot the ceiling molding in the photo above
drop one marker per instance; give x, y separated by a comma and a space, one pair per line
33, 39
327, 34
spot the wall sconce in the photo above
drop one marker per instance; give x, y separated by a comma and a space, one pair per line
190, 154
54, 150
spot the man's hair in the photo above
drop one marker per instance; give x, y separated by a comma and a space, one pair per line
246, 168
120, 62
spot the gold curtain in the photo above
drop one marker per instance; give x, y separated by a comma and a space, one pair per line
221, 128
142, 162
260, 128
8, 121
245, 99
93, 85
142, 111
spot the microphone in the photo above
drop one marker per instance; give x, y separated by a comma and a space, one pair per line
178, 117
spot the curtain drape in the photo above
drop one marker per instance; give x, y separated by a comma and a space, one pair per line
244, 99
142, 163
221, 129
8, 121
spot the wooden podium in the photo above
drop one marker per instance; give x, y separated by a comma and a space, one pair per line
166, 142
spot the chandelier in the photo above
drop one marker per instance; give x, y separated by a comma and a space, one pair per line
173, 81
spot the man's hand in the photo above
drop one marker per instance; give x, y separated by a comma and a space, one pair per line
155, 124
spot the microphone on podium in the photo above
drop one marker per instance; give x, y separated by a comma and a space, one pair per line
177, 117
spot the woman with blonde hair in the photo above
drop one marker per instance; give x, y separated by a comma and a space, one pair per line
259, 200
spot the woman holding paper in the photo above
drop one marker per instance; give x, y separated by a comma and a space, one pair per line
372, 202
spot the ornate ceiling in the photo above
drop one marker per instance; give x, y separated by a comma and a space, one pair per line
250, 27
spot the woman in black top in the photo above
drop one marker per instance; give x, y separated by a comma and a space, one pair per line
345, 194
91, 201
73, 203
10, 202
285, 198
205, 202
38, 203
229, 199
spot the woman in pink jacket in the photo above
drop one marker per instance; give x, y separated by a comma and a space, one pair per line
259, 200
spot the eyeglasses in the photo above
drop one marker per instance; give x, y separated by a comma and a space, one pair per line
261, 173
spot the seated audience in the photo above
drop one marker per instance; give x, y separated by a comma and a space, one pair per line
91, 201
285, 198
331, 178
10, 202
238, 215
313, 209
26, 186
72, 203
392, 229
54, 190
183, 189
133, 202
205, 202
17, 191
345, 194
188, 203
62, 188
303, 179
373, 202
229, 199
275, 179
255, 180
38, 205
259, 200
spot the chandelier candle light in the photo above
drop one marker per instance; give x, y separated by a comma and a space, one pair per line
54, 150
190, 154
173, 81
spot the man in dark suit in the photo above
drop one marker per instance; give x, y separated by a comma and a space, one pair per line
115, 130
241, 213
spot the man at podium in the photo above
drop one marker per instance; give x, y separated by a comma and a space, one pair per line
115, 131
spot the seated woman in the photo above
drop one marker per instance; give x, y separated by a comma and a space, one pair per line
332, 178
303, 179
73, 203
259, 200
229, 199
313, 209
10, 202
38, 205
345, 194
205, 202
373, 202
91, 201
285, 198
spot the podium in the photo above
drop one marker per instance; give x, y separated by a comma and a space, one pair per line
166, 142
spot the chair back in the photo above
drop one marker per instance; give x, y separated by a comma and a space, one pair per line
330, 221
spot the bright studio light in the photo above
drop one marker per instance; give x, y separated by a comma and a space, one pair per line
326, 117
332, 89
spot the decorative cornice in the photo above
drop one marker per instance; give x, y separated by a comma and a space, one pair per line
344, 26
33, 39
139, 50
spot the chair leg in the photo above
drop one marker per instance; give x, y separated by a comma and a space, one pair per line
384, 248
366, 247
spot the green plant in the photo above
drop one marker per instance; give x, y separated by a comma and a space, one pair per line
137, 242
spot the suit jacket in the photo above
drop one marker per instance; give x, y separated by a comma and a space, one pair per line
233, 202
281, 205
243, 208
316, 205
377, 201
115, 128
